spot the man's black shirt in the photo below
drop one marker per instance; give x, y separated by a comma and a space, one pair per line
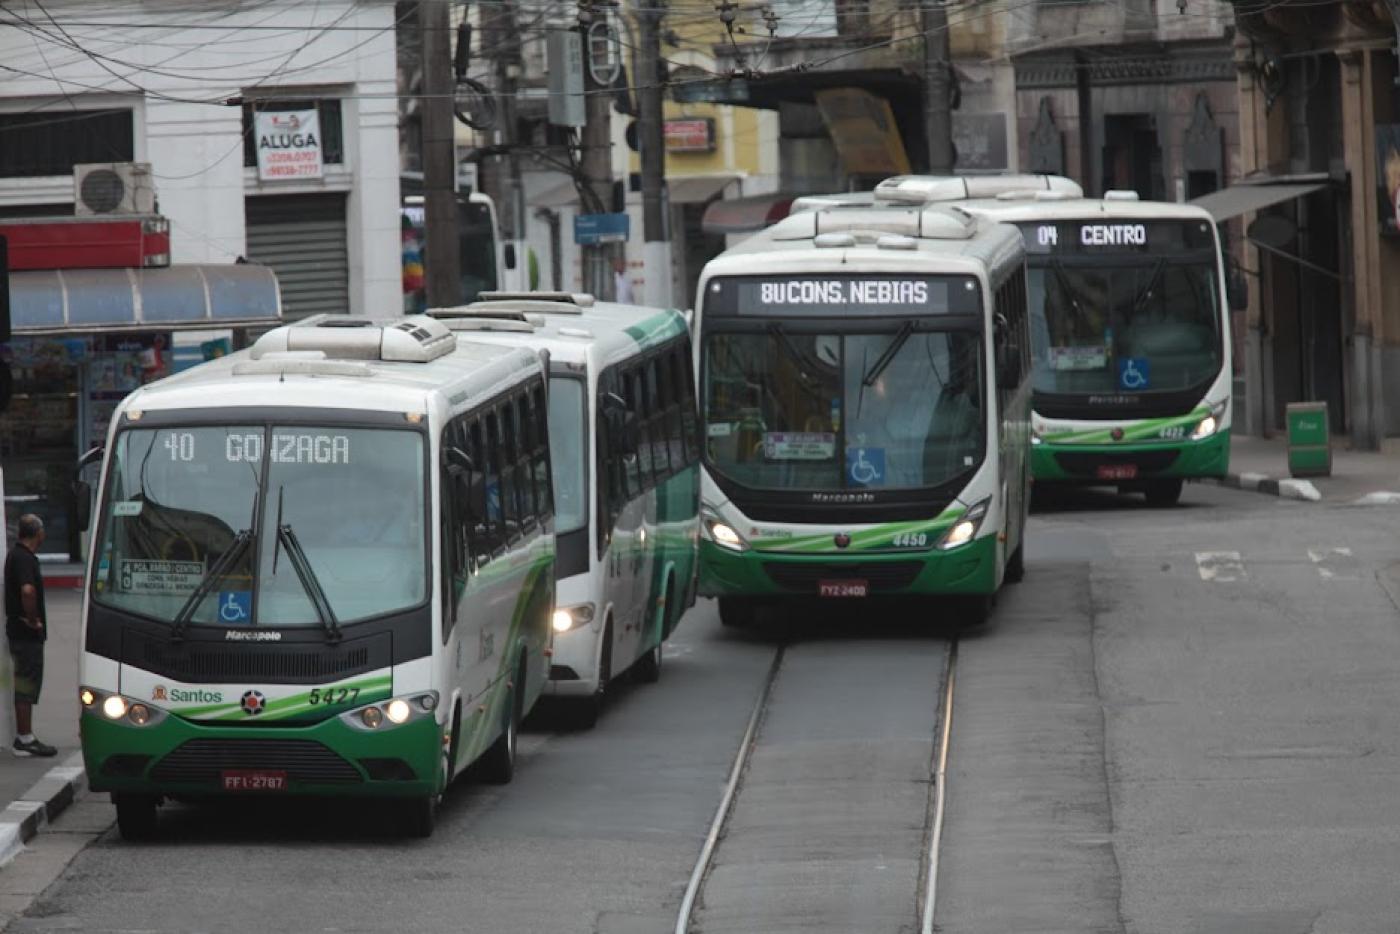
22, 567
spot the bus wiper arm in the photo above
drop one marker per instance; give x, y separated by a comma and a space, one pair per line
785, 342
888, 356
232, 554
309, 582
1151, 284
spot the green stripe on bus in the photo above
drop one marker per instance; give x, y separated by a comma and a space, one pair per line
1146, 430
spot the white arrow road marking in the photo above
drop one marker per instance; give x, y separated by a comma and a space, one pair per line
1222, 566
1335, 564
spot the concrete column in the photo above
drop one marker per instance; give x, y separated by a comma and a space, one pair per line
1253, 150
1358, 147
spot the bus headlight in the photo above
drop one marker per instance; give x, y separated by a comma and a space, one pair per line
88, 697
140, 714
372, 717
393, 712
724, 535
398, 711
572, 617
1211, 423
114, 707
966, 527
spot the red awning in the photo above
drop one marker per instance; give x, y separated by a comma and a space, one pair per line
745, 215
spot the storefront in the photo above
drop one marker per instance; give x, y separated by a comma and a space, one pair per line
83, 340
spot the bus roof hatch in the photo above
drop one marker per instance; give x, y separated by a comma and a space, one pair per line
415, 339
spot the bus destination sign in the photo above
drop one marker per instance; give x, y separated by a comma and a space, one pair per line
820, 296
1115, 236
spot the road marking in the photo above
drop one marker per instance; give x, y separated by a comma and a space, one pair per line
1335, 564
1221, 566
940, 778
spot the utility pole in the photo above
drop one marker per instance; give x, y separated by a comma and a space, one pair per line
656, 255
596, 159
511, 200
938, 119
440, 256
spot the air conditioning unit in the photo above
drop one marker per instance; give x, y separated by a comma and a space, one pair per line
113, 188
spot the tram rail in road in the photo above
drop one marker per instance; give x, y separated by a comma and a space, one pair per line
923, 900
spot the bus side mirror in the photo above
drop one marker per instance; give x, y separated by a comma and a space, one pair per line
82, 504
510, 255
1237, 290
1008, 365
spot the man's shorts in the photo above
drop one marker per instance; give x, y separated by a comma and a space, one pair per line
29, 670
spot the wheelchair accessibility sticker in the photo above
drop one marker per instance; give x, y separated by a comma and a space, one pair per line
866, 466
1133, 373
235, 606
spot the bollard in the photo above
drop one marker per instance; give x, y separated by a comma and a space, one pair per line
1309, 439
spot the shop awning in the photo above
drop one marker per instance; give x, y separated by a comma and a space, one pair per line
73, 301
697, 189
1231, 202
745, 215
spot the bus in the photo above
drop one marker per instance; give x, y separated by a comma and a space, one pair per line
622, 426
865, 406
483, 257
321, 566
1130, 329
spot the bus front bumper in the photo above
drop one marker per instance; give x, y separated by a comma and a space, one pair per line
1081, 463
182, 757
969, 569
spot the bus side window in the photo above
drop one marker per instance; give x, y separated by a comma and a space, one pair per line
449, 513
671, 426
611, 484
495, 498
521, 485
538, 419
659, 399
639, 466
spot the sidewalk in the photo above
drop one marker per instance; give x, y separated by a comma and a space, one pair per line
32, 790
1359, 477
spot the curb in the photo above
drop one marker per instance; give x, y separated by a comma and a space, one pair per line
49, 797
1290, 488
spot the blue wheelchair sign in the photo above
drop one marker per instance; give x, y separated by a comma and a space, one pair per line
866, 466
1133, 373
235, 606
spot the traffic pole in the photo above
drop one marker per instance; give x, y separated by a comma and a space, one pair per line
656, 249
442, 266
938, 117
595, 160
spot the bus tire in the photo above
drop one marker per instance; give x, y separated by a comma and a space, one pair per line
420, 816
736, 612
498, 764
138, 816
1163, 493
1016, 565
647, 669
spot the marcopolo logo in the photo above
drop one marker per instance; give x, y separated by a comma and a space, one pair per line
181, 696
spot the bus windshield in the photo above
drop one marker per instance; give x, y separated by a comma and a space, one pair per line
1148, 327
186, 509
897, 409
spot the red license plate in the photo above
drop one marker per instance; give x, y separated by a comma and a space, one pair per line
842, 588
254, 780
1117, 471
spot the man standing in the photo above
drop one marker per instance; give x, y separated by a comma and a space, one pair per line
622, 283
25, 624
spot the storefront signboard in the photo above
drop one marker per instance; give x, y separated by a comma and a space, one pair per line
696, 135
289, 144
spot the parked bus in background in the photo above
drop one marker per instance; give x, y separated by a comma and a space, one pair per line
622, 425
324, 566
483, 258
864, 391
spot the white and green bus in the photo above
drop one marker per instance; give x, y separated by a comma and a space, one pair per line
1130, 328
865, 407
321, 566
622, 426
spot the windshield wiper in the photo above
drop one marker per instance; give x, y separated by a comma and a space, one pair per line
309, 582
1151, 284
886, 358
232, 554
785, 342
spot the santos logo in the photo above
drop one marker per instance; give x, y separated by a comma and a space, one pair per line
181, 696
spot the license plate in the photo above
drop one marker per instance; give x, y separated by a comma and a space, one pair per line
254, 780
1117, 471
842, 588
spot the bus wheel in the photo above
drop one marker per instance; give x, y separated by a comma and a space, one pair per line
420, 816
1016, 565
647, 669
735, 612
498, 764
1164, 492
137, 816
582, 713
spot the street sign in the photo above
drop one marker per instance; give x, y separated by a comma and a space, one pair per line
593, 229
567, 105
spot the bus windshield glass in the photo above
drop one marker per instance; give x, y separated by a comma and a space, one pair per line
1110, 313
567, 439
180, 500
896, 409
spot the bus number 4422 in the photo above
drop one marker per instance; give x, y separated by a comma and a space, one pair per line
1172, 433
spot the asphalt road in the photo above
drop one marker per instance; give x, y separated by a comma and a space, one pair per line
1181, 721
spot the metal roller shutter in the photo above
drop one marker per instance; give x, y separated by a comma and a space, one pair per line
302, 237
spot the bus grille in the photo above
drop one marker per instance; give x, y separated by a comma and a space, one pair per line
200, 761
1086, 463
207, 662
885, 575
